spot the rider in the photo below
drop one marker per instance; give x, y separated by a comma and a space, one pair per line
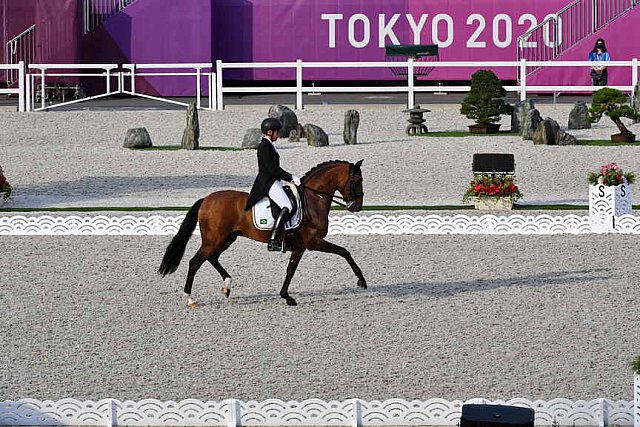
268, 182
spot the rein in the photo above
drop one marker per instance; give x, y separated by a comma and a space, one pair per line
334, 199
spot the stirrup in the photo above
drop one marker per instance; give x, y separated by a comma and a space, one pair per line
275, 246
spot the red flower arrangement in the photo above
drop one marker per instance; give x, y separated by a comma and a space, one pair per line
482, 186
611, 174
5, 188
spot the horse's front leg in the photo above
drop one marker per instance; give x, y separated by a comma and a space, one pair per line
328, 247
291, 270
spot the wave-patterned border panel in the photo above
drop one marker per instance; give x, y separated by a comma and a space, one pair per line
311, 412
158, 225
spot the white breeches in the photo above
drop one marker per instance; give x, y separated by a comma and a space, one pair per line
277, 194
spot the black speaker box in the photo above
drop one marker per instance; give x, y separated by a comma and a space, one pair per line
496, 416
493, 162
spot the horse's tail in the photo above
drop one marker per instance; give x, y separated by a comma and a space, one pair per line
175, 250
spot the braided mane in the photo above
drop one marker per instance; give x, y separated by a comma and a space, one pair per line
322, 165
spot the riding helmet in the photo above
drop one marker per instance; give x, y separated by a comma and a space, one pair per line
270, 123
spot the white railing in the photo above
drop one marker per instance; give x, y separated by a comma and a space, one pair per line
561, 31
37, 83
313, 412
195, 70
215, 79
19, 90
410, 88
95, 12
21, 48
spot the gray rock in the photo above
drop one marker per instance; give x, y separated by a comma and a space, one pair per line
351, 122
252, 138
286, 116
316, 137
530, 121
518, 113
137, 138
579, 116
635, 102
545, 133
293, 136
564, 138
191, 134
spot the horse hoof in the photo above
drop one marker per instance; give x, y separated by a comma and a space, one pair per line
362, 283
225, 292
291, 302
193, 305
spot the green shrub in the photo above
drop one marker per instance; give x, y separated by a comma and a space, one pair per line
613, 103
484, 103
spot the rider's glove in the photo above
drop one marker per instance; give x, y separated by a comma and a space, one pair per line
295, 180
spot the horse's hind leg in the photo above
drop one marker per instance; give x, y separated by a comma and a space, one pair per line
226, 288
296, 255
194, 265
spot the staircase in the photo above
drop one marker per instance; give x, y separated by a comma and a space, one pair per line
20, 48
563, 30
95, 12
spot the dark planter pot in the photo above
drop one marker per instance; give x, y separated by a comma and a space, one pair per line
623, 137
489, 128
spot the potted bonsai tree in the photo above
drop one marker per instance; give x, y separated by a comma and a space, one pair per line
484, 103
613, 103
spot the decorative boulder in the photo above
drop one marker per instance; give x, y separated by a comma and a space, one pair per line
579, 116
564, 138
191, 134
316, 137
351, 122
137, 138
518, 113
545, 133
529, 123
286, 116
252, 138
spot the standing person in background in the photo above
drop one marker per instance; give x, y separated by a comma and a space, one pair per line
599, 73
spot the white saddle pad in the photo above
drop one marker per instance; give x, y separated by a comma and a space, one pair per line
263, 219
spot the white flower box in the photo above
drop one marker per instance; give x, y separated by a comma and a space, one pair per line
606, 202
493, 204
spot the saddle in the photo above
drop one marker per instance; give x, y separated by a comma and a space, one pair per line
265, 211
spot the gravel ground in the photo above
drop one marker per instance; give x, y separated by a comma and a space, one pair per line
454, 317
70, 159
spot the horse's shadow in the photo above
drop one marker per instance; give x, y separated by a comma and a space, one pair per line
440, 289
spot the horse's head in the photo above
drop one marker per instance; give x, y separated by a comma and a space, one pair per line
352, 192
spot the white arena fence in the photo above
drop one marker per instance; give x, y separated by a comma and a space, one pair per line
20, 88
159, 225
115, 75
312, 412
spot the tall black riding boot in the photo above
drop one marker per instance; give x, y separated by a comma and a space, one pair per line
276, 243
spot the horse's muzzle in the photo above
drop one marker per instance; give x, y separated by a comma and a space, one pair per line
354, 206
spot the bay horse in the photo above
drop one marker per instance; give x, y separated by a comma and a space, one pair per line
222, 219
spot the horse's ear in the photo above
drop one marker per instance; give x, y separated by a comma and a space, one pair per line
356, 167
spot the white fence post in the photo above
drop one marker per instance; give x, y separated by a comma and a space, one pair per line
198, 105
234, 413
357, 413
634, 75
636, 400
212, 79
604, 413
112, 417
411, 97
21, 93
523, 79
220, 104
299, 84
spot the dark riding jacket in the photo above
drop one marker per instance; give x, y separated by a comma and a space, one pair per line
268, 171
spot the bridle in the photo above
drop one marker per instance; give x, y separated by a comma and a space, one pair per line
339, 200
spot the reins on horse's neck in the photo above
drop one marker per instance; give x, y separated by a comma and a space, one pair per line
332, 197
